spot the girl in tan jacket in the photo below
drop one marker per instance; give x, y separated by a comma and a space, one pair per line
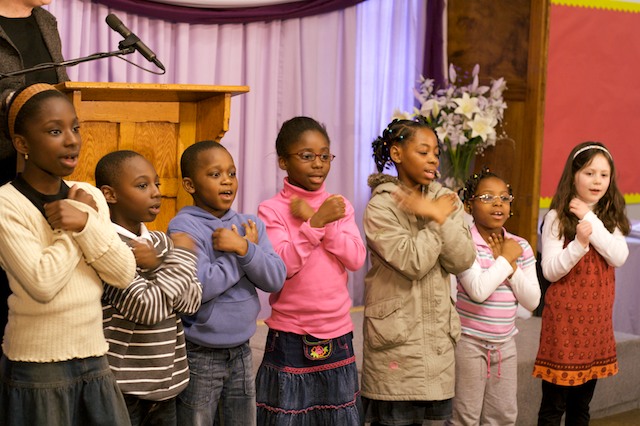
416, 237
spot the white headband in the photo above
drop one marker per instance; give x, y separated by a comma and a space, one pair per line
588, 147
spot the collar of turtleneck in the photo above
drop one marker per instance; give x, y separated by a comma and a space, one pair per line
290, 190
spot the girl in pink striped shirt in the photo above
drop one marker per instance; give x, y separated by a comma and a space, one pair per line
503, 276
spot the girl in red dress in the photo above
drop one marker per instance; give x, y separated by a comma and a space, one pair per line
582, 242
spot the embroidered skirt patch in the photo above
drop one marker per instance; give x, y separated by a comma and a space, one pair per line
317, 350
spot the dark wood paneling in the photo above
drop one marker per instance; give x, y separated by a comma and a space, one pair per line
509, 39
494, 34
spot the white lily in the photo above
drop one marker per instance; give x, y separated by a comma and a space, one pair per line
482, 126
452, 74
467, 105
401, 115
441, 132
430, 108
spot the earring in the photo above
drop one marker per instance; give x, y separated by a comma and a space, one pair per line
26, 157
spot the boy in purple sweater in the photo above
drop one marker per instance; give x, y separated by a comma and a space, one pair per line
234, 257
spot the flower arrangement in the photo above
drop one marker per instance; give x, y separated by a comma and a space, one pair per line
465, 118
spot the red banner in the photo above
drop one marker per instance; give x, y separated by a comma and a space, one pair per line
593, 91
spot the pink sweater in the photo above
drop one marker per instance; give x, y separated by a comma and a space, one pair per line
315, 299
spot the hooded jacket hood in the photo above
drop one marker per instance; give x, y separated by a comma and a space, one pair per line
206, 216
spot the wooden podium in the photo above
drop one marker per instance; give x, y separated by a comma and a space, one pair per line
157, 120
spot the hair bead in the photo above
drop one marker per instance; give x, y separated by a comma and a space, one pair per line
471, 184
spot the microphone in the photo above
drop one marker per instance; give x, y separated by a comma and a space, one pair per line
130, 39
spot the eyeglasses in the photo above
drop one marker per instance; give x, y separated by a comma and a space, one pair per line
490, 198
307, 156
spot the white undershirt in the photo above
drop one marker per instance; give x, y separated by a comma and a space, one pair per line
144, 233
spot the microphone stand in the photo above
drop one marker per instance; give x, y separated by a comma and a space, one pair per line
124, 50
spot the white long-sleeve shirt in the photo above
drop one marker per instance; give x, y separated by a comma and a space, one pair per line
558, 260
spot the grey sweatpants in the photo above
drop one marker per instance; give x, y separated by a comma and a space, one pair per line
486, 383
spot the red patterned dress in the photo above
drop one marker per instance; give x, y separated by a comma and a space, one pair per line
577, 342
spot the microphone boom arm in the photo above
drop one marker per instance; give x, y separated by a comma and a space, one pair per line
124, 50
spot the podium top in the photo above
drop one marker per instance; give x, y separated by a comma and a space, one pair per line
148, 92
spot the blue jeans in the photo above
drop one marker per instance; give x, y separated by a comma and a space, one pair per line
147, 413
78, 392
221, 387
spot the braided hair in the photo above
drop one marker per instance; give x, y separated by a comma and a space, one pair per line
397, 132
467, 192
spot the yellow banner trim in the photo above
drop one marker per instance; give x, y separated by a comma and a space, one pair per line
633, 198
616, 5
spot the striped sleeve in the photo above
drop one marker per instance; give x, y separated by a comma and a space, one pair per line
180, 266
154, 295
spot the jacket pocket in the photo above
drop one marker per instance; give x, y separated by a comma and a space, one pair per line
384, 324
454, 323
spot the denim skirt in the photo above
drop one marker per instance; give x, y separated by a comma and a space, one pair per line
67, 393
305, 381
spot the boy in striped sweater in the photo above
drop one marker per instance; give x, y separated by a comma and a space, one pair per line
503, 276
147, 350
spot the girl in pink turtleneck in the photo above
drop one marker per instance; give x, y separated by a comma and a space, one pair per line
308, 374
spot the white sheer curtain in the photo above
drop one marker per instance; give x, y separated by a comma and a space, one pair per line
348, 69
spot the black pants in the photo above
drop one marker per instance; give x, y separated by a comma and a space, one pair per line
574, 400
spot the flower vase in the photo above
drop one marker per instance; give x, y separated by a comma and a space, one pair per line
457, 163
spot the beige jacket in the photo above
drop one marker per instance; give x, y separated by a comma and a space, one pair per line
410, 324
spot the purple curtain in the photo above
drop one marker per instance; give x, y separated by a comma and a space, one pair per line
434, 55
193, 15
373, 51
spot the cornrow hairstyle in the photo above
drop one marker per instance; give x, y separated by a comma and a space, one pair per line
467, 192
189, 157
109, 167
610, 209
396, 132
292, 130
